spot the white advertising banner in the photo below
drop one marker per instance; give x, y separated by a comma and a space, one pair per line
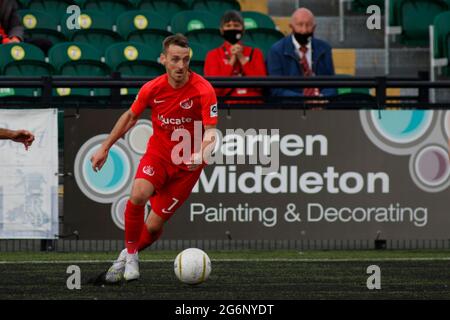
28, 179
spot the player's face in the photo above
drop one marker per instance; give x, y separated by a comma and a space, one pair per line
176, 60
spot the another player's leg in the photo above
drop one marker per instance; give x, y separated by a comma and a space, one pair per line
127, 264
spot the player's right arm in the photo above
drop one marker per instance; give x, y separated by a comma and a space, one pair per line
126, 121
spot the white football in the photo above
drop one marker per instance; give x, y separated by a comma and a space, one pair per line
192, 266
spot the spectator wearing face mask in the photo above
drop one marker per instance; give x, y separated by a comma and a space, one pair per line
301, 54
234, 59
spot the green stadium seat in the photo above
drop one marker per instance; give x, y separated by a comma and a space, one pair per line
55, 8
209, 38
142, 26
188, 4
23, 4
255, 20
262, 38
96, 29
414, 17
216, 7
198, 56
353, 90
192, 20
39, 24
165, 8
198, 26
362, 5
344, 91
351, 93
394, 12
442, 40
23, 59
134, 59
114, 8
78, 59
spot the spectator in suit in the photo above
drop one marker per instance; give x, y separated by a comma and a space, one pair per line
301, 54
234, 59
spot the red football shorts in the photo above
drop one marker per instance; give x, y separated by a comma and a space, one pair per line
172, 184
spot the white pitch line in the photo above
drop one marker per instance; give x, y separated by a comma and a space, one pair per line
231, 260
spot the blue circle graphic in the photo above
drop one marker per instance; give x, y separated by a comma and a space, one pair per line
402, 126
113, 175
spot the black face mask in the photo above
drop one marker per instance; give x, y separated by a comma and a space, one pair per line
233, 36
303, 38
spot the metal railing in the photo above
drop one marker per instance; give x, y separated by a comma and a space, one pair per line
66, 245
115, 82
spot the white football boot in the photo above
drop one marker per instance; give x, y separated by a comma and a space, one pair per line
131, 267
115, 272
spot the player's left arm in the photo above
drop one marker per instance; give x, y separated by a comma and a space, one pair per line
210, 116
207, 147
208, 143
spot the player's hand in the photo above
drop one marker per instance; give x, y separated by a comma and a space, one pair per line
99, 159
23, 136
195, 162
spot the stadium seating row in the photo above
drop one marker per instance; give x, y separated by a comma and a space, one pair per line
102, 44
412, 20
82, 59
415, 23
146, 27
116, 7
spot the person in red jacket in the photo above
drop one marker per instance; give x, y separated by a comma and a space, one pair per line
233, 58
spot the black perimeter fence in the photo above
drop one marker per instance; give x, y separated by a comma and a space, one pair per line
354, 100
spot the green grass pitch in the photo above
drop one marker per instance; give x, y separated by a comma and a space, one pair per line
289, 275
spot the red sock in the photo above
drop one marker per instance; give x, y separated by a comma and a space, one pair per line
134, 220
147, 238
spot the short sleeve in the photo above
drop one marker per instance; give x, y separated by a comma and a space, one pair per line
210, 112
141, 101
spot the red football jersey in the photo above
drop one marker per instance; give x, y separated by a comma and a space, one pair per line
173, 109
